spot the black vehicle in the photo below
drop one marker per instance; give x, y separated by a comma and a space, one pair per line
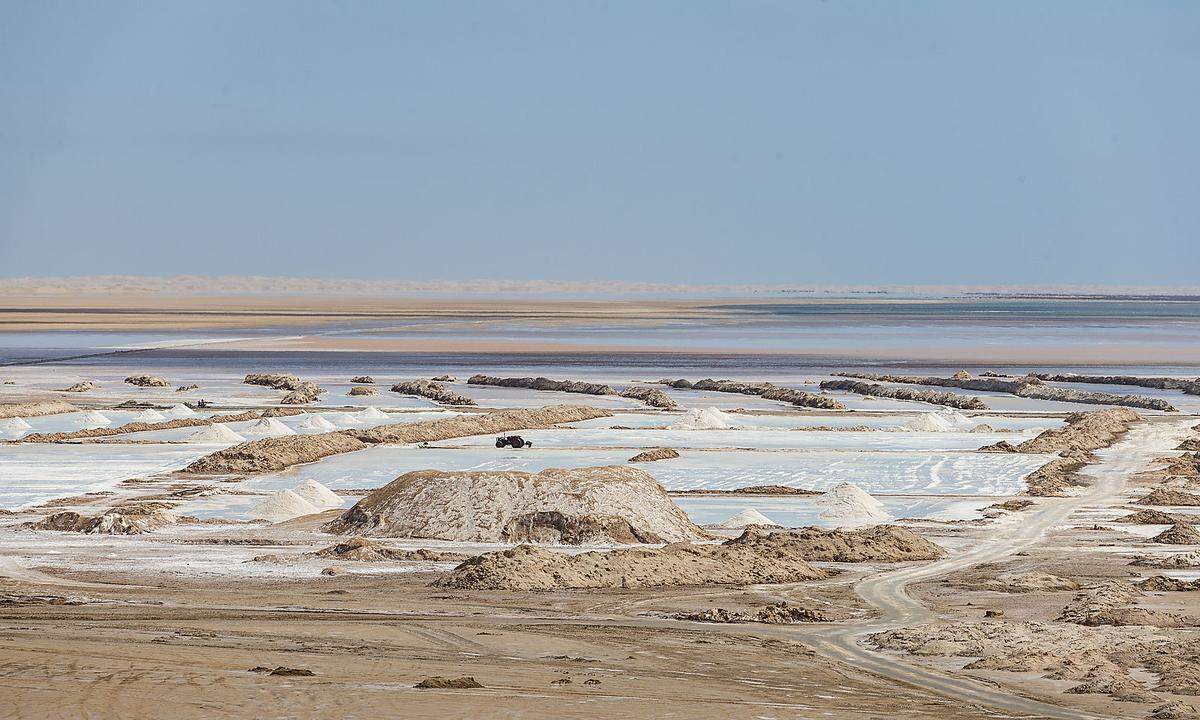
514, 441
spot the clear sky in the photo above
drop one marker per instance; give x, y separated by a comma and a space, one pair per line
689, 141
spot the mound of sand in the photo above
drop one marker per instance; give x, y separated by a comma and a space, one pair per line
1178, 535
318, 495
1167, 562
266, 428
1109, 604
316, 423
148, 416
930, 422
781, 613
281, 506
848, 505
371, 414
36, 408
655, 454
1029, 582
651, 396
179, 411
432, 390
92, 419
706, 419
216, 433
131, 519
271, 454
541, 383
82, 386
754, 558
579, 506
1158, 517
360, 549
1083, 431
745, 518
364, 379
1168, 497
361, 390
147, 381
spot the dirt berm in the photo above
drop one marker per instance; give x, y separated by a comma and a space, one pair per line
272, 454
541, 383
753, 558
591, 505
433, 390
36, 408
133, 427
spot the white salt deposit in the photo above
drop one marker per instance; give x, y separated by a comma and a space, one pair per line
956, 418
749, 516
148, 416
91, 419
930, 422
707, 419
371, 413
268, 427
280, 506
317, 495
849, 505
14, 423
343, 419
216, 433
316, 422
179, 411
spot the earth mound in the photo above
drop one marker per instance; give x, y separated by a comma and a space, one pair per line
651, 396
360, 549
36, 408
432, 390
82, 386
131, 519
655, 454
579, 506
271, 454
781, 613
1177, 535
465, 682
755, 557
363, 379
1168, 497
541, 383
147, 381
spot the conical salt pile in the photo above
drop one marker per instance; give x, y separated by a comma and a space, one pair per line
344, 419
317, 423
929, 422
179, 411
14, 423
216, 433
749, 516
317, 495
372, 414
149, 416
706, 419
956, 418
850, 505
283, 505
268, 427
91, 419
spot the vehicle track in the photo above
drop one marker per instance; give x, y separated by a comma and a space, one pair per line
888, 592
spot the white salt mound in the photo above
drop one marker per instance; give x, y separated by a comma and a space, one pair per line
268, 427
371, 414
216, 433
316, 422
706, 419
343, 419
148, 416
956, 418
317, 495
15, 423
179, 411
929, 422
749, 516
280, 506
850, 505
91, 419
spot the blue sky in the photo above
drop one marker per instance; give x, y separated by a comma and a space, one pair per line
691, 141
